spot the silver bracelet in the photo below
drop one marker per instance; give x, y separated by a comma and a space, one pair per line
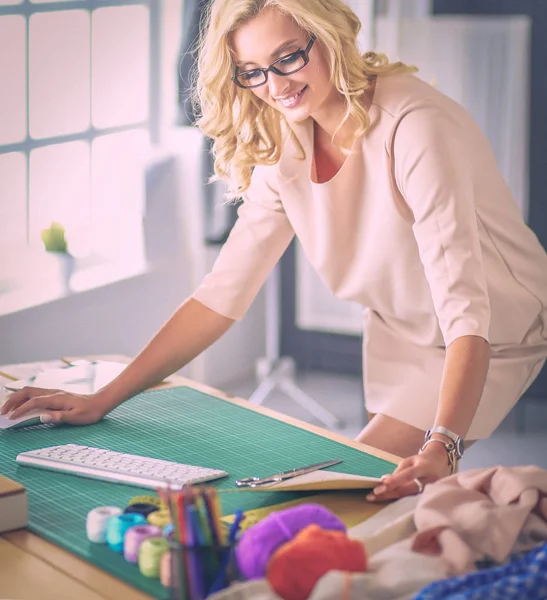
450, 451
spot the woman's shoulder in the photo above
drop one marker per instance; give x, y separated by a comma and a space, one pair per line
397, 95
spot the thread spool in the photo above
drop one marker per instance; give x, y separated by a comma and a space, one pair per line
142, 508
146, 500
159, 518
117, 527
150, 554
134, 537
165, 570
97, 520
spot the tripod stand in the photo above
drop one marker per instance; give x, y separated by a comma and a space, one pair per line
276, 371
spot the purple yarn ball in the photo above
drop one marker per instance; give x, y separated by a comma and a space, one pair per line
258, 543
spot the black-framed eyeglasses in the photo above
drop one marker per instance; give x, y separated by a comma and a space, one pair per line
286, 65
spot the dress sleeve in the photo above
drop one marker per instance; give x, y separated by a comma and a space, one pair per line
257, 241
434, 170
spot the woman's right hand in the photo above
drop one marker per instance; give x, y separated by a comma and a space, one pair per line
57, 406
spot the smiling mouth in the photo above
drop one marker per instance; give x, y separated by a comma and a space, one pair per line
290, 101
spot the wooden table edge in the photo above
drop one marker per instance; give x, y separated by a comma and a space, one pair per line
84, 572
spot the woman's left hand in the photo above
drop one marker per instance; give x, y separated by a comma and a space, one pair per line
413, 474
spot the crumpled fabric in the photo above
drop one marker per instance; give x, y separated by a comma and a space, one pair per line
394, 573
482, 513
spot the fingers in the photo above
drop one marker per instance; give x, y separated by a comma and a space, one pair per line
54, 418
71, 416
382, 493
49, 402
54, 406
404, 477
411, 476
15, 400
23, 395
401, 483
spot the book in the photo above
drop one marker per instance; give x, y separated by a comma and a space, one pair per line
13, 505
85, 378
318, 481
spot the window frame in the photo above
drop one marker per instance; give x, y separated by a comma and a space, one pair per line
151, 123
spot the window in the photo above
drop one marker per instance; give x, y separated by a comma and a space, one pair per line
79, 104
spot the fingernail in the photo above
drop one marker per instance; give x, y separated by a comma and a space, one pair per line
371, 497
384, 478
380, 489
46, 418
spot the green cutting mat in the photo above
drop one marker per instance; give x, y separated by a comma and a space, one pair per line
178, 424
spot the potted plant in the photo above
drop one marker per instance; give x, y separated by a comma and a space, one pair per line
56, 246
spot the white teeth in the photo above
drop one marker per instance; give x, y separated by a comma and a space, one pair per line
291, 99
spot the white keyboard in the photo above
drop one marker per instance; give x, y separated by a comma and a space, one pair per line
116, 467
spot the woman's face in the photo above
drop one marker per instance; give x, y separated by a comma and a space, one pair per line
270, 36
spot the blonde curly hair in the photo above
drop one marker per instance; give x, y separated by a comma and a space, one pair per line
248, 132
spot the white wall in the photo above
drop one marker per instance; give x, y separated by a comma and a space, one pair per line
122, 317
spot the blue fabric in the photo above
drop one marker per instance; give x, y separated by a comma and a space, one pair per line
525, 578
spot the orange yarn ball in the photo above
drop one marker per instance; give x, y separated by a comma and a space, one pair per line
295, 567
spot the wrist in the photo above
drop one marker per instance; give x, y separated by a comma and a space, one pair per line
439, 449
455, 445
441, 437
103, 403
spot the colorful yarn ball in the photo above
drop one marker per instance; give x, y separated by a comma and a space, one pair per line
141, 508
150, 554
160, 518
298, 565
258, 543
118, 526
147, 500
134, 537
97, 522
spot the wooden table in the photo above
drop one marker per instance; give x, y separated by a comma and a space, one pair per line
32, 568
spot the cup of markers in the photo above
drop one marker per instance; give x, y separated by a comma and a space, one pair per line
177, 537
201, 559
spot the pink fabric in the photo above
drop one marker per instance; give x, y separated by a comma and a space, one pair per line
482, 513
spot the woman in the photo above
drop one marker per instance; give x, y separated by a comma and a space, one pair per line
396, 198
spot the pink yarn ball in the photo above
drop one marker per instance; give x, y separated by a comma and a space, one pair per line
259, 542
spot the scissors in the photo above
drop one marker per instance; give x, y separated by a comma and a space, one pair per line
256, 481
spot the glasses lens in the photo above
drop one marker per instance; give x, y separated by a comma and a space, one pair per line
286, 65
251, 78
291, 63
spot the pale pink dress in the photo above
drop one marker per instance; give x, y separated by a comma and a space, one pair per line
419, 227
